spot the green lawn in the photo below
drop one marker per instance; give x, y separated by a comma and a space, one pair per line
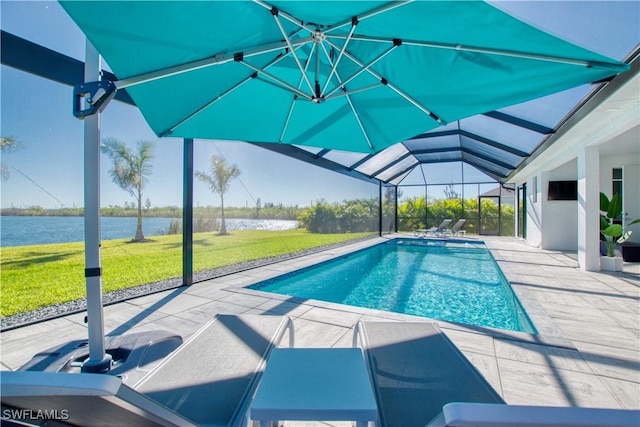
41, 275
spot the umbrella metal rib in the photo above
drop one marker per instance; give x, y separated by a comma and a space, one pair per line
300, 23
344, 47
476, 49
377, 11
347, 94
393, 87
318, 37
295, 97
274, 12
364, 68
276, 79
353, 91
205, 106
357, 117
217, 59
219, 97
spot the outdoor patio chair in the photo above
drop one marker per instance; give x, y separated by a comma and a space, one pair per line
79, 399
437, 231
456, 229
416, 370
498, 415
209, 380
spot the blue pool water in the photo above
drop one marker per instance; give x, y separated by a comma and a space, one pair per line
454, 281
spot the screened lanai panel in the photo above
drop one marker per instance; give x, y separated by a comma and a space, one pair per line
345, 158
549, 110
491, 169
431, 142
449, 156
473, 174
504, 133
381, 160
400, 178
414, 177
443, 173
397, 168
497, 154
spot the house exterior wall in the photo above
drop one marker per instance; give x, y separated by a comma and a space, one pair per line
552, 224
534, 210
559, 217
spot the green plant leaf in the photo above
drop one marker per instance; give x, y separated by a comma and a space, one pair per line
615, 206
635, 221
614, 230
604, 202
604, 222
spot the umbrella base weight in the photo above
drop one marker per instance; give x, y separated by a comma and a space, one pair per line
129, 356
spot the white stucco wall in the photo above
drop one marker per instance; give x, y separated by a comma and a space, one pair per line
560, 217
534, 211
552, 224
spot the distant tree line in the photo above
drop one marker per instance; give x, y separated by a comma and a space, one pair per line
273, 212
36, 210
350, 216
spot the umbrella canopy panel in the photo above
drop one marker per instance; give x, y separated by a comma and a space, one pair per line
358, 77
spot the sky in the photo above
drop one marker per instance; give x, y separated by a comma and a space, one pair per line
47, 169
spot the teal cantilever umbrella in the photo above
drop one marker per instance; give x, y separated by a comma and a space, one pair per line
352, 75
349, 75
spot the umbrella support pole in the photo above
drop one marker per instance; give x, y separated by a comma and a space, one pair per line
99, 360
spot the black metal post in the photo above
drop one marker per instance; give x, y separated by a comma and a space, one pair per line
380, 208
395, 216
187, 213
500, 210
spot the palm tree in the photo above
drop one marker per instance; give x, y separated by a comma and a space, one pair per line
130, 170
218, 182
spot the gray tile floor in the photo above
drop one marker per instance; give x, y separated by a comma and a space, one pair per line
587, 352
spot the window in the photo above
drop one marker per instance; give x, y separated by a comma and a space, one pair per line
616, 174
616, 188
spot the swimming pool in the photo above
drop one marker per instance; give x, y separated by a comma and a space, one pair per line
455, 281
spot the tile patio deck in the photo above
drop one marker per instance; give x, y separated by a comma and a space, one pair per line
587, 353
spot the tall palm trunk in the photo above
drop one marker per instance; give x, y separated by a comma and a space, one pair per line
130, 171
139, 235
223, 226
218, 182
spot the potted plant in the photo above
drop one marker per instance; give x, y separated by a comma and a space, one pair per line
613, 233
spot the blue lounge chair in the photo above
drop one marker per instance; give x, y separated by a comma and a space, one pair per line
416, 370
421, 379
456, 230
439, 230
